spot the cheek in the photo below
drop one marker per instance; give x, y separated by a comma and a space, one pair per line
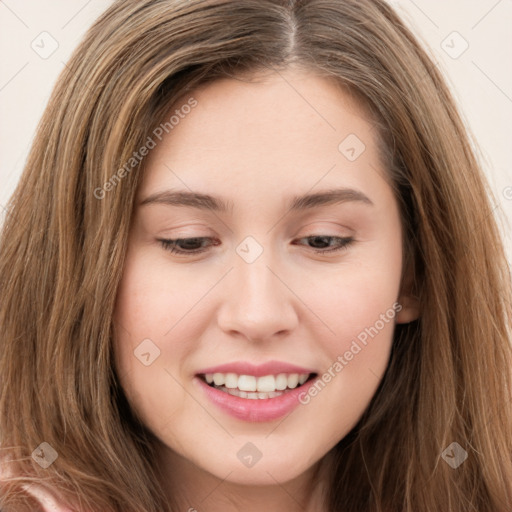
360, 311
146, 309
152, 298
358, 300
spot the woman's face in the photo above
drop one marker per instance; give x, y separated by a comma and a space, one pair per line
261, 307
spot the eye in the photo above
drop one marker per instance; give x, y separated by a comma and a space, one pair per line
190, 245
196, 245
342, 242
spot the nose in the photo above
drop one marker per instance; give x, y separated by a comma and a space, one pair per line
258, 301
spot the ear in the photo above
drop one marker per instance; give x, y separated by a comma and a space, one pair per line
410, 309
410, 303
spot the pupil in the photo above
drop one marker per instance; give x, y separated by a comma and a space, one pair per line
323, 239
189, 242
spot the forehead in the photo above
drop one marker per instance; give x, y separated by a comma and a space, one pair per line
276, 131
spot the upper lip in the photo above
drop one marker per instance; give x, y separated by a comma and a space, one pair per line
246, 368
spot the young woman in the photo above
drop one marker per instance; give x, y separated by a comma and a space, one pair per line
252, 264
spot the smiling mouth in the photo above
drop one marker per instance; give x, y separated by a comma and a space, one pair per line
252, 387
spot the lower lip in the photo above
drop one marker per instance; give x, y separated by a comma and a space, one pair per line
259, 409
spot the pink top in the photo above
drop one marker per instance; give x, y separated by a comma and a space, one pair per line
47, 501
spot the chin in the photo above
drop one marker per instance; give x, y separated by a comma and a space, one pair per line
265, 471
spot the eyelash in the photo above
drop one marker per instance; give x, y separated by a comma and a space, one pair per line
170, 245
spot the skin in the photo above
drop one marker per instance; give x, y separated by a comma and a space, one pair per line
257, 144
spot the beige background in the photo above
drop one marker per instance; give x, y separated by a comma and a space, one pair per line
480, 75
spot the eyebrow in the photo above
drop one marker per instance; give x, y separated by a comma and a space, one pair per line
217, 204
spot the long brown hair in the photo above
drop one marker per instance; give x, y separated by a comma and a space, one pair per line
63, 244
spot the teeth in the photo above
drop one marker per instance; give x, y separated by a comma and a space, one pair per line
256, 387
235, 392
252, 396
231, 380
293, 380
247, 383
281, 381
219, 379
267, 383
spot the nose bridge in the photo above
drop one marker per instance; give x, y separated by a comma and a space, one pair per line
258, 302
256, 280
